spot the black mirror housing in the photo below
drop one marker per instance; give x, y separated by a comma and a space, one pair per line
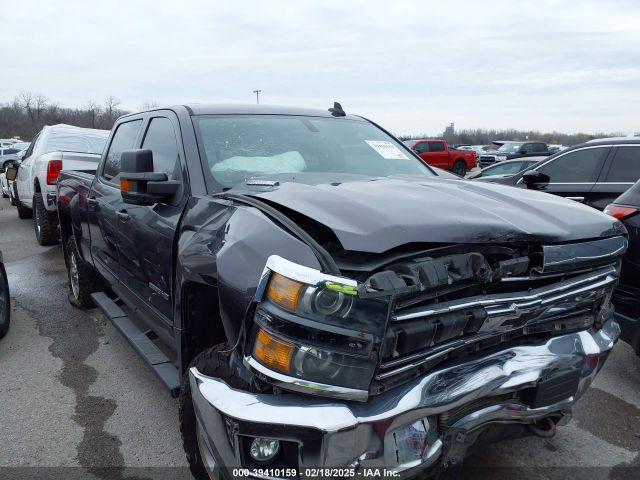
534, 179
139, 184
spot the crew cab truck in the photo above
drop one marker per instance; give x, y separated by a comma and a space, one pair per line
56, 147
437, 153
321, 304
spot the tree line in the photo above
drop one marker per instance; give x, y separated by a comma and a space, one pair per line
480, 136
28, 112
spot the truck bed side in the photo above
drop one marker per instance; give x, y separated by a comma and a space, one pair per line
73, 188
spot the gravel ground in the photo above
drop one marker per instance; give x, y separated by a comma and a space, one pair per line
76, 402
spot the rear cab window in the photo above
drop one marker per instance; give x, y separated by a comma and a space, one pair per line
436, 146
625, 165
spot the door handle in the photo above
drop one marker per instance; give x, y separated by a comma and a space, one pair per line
576, 199
123, 216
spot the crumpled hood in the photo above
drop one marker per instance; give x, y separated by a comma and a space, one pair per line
377, 214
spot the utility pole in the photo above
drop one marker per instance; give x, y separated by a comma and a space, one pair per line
257, 92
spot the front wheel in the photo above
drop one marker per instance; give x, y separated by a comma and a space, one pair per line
213, 362
45, 224
460, 168
5, 304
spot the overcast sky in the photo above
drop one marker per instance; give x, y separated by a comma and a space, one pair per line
411, 66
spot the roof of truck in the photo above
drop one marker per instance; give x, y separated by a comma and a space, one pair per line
253, 109
246, 109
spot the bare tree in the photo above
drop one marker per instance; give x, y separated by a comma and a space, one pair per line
26, 101
40, 104
94, 111
111, 108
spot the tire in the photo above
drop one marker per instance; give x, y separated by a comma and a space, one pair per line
211, 362
83, 280
460, 168
45, 224
5, 303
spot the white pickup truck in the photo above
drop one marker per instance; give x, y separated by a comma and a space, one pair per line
55, 148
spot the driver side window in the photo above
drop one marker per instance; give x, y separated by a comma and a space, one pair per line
423, 147
29, 151
123, 139
579, 166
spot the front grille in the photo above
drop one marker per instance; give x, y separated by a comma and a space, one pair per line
487, 159
431, 334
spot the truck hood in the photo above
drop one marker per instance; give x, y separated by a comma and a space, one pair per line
378, 214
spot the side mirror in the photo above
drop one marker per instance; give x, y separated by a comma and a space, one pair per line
535, 179
523, 151
11, 173
139, 184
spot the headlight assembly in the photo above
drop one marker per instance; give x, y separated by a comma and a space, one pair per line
324, 299
314, 333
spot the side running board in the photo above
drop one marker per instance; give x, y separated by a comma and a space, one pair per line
166, 371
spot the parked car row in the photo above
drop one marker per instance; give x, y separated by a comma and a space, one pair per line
55, 148
511, 150
8, 156
327, 299
593, 173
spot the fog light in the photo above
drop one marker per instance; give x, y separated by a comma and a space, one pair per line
411, 442
264, 450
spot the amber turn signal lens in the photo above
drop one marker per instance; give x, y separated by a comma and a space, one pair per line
126, 185
283, 291
272, 352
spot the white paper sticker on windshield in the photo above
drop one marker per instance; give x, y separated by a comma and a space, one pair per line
387, 149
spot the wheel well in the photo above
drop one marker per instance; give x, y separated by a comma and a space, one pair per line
201, 323
66, 231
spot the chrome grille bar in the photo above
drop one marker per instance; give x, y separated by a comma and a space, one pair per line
536, 297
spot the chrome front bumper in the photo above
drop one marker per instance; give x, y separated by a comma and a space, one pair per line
331, 433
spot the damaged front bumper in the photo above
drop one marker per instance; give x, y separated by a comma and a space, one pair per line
329, 433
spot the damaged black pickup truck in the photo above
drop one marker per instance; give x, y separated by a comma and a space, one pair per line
329, 301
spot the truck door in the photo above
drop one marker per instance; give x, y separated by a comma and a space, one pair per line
104, 202
23, 180
438, 155
146, 233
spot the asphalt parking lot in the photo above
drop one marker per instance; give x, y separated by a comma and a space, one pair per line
74, 394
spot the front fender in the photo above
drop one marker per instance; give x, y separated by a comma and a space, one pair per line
226, 246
